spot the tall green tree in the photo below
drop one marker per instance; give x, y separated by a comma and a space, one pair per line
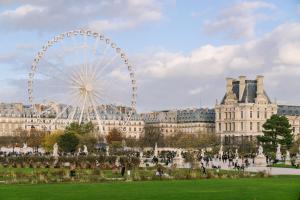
277, 130
68, 142
80, 129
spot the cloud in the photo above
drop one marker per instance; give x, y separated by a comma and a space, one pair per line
275, 55
239, 20
62, 14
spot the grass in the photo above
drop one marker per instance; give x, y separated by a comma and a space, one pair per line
278, 187
281, 165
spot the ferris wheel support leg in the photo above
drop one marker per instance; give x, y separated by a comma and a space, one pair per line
82, 110
97, 115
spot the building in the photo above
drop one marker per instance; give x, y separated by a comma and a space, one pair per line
189, 121
245, 107
15, 116
293, 115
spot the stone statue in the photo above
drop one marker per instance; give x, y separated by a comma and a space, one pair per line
260, 159
85, 150
202, 153
107, 150
260, 150
55, 150
24, 146
288, 158
278, 153
155, 150
236, 154
221, 151
79, 151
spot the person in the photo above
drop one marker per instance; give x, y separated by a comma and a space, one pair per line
123, 170
203, 169
72, 171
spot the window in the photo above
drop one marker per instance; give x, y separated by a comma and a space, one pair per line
233, 126
225, 115
250, 113
258, 126
266, 114
233, 115
258, 114
219, 126
242, 126
242, 114
219, 115
293, 129
230, 115
230, 126
250, 126
226, 128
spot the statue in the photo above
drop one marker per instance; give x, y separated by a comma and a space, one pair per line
24, 146
79, 151
85, 150
260, 150
288, 158
260, 159
55, 150
202, 153
155, 150
278, 153
221, 151
107, 150
236, 154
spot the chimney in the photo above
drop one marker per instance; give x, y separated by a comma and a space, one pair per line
228, 85
242, 86
260, 84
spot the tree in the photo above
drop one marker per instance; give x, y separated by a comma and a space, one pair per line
277, 130
151, 136
80, 129
68, 142
36, 138
51, 139
114, 136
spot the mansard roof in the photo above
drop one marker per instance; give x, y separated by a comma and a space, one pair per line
288, 110
249, 94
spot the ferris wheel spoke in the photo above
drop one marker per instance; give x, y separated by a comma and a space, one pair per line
99, 62
82, 109
101, 70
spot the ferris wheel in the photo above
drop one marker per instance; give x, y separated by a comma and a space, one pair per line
87, 76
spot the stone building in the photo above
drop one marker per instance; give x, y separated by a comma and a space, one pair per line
293, 115
243, 110
188, 121
245, 107
16, 116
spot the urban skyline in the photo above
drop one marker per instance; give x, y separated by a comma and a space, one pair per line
170, 43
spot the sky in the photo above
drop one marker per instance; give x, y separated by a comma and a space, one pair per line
181, 51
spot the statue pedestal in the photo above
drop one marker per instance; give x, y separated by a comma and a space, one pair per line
260, 161
179, 162
297, 162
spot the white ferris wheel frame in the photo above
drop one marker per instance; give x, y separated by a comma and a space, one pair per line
96, 35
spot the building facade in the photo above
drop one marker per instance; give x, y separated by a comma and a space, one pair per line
188, 121
245, 107
16, 116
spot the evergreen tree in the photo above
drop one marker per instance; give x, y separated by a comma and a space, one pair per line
277, 130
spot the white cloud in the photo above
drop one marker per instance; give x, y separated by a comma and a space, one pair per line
239, 21
62, 14
169, 74
22, 11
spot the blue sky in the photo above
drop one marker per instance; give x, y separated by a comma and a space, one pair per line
182, 51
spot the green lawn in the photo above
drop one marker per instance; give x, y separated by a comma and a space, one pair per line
281, 187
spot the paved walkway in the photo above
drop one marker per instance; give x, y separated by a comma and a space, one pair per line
274, 170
